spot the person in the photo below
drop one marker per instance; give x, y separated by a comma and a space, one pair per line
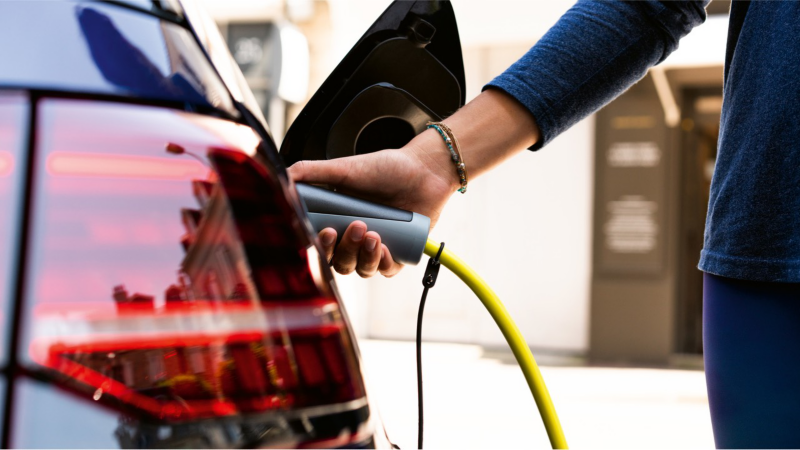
751, 254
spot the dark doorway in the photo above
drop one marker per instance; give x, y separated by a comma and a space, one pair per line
699, 133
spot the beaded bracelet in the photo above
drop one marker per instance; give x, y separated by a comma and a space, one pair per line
455, 152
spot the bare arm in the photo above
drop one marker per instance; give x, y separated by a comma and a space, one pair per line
491, 128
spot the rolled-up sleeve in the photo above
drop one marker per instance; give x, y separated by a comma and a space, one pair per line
596, 51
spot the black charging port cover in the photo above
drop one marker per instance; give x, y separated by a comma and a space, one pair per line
406, 70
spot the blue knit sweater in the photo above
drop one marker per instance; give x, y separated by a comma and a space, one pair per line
600, 48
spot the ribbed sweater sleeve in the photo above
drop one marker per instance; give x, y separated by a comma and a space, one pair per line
595, 52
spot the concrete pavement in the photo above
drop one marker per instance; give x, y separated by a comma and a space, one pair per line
475, 399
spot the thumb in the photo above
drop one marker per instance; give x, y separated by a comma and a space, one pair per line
322, 172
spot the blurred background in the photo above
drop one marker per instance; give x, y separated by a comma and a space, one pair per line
592, 243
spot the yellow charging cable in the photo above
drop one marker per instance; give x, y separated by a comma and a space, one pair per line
513, 337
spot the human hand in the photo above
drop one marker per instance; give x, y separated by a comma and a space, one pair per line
419, 177
407, 178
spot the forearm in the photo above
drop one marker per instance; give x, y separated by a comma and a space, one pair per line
595, 52
490, 129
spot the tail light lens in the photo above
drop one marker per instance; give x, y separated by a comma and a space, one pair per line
170, 276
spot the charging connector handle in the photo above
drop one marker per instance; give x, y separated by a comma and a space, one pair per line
403, 232
513, 336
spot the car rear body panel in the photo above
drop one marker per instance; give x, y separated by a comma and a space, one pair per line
247, 344
161, 286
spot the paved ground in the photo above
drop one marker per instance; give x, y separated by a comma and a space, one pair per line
474, 399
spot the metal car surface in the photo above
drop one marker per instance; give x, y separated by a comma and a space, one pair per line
160, 284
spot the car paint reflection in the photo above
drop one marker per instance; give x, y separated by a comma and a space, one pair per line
126, 66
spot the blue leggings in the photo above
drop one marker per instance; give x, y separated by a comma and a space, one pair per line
751, 338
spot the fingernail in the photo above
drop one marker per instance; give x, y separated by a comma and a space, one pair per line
370, 244
358, 234
328, 239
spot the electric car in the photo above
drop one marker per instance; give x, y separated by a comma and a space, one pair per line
160, 284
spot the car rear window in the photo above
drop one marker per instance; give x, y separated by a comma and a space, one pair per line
104, 49
13, 130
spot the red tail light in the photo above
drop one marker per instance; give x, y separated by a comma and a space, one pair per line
176, 286
122, 166
202, 361
6, 163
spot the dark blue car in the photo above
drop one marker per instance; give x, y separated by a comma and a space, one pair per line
160, 285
